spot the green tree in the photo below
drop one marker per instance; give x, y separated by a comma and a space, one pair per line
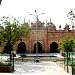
11, 30
67, 44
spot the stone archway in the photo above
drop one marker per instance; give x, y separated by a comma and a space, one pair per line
54, 47
39, 47
21, 48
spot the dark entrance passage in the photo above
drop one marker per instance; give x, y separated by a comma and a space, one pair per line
39, 47
21, 48
8, 48
53, 47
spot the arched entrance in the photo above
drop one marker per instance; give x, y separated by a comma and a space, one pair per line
8, 48
53, 47
21, 48
39, 47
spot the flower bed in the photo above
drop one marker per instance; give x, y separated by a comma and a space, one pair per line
6, 65
6, 68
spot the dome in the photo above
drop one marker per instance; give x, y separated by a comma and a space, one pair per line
52, 26
37, 21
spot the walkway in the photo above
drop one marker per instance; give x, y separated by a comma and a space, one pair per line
33, 68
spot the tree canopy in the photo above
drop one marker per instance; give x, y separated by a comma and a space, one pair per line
11, 30
67, 43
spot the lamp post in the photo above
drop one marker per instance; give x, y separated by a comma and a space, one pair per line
36, 16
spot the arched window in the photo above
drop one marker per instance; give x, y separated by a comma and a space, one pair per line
21, 48
53, 47
38, 47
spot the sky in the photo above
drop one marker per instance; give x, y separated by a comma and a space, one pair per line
57, 10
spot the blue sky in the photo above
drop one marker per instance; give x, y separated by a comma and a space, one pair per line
56, 9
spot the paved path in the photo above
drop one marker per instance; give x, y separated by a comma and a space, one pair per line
33, 68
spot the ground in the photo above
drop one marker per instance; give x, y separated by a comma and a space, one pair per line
34, 68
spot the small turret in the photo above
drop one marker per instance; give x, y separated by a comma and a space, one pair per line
59, 27
66, 27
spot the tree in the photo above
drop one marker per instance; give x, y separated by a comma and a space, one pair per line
11, 31
66, 44
71, 17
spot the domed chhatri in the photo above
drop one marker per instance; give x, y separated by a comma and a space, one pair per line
51, 25
38, 23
